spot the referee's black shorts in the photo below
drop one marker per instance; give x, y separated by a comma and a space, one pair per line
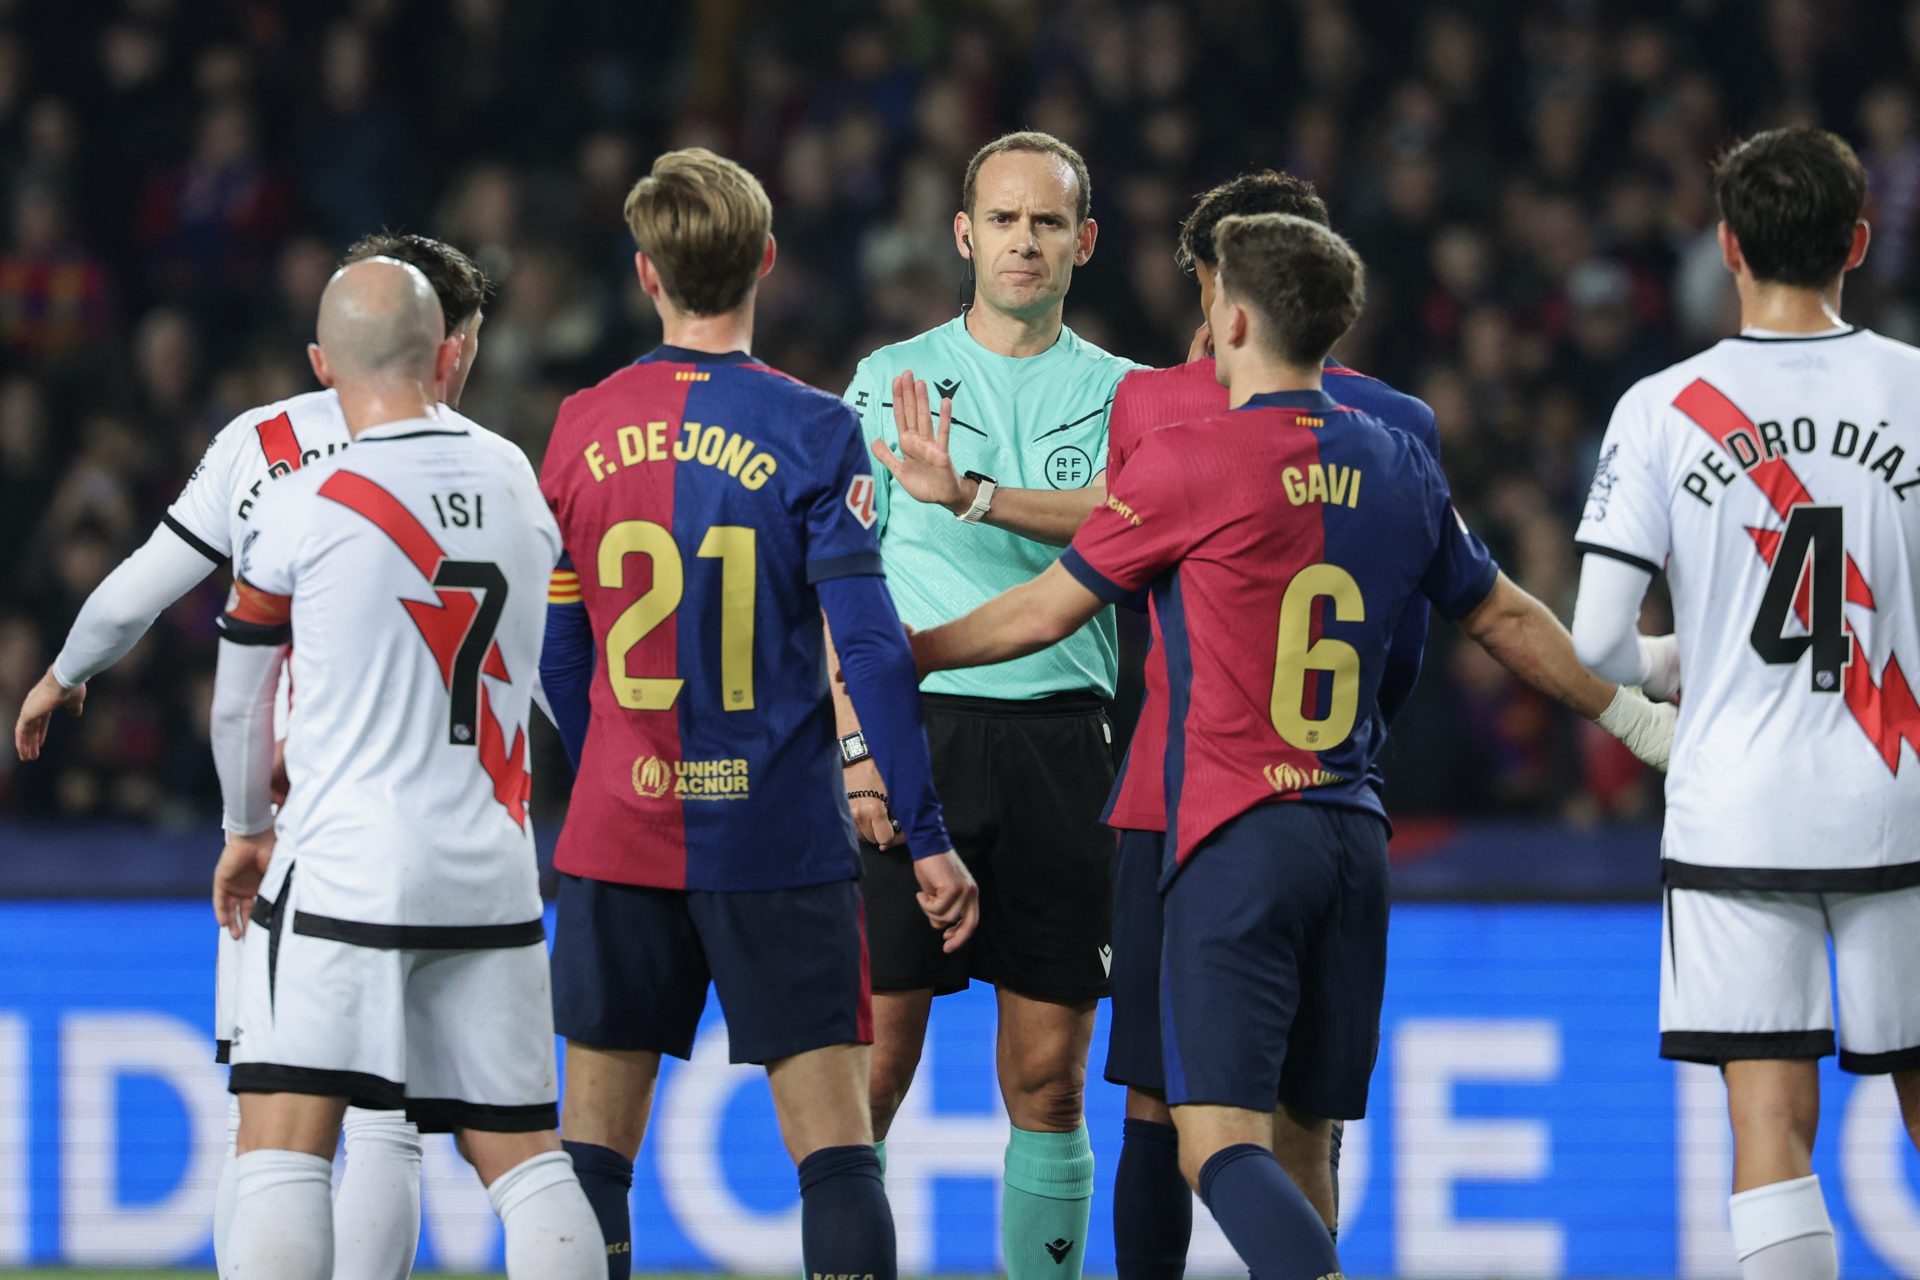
1023, 784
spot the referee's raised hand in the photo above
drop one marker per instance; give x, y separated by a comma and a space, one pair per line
949, 896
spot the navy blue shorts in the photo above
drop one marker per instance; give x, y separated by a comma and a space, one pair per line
1133, 1039
1273, 962
631, 967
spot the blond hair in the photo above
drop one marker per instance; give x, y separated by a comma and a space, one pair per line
1037, 143
704, 221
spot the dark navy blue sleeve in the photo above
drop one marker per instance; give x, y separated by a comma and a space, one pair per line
884, 687
843, 509
1462, 571
566, 659
1407, 647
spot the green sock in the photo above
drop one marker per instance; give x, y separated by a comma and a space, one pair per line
880, 1149
1044, 1208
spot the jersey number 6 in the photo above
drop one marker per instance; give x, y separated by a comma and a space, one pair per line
1297, 653
731, 544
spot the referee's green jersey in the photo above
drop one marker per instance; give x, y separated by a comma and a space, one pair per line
1034, 423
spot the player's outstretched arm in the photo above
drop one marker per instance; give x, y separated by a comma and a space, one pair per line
1020, 620
1606, 634
116, 614
880, 679
1524, 637
925, 469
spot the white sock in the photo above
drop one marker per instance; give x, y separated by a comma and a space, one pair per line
223, 1190
1781, 1232
376, 1212
282, 1217
551, 1231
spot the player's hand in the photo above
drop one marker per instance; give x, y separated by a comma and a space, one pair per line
277, 784
236, 881
870, 817
1201, 348
1645, 727
1663, 667
923, 466
949, 897
46, 697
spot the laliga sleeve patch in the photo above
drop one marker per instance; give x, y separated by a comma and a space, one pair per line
860, 501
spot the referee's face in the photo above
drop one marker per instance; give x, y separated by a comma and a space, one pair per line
1023, 234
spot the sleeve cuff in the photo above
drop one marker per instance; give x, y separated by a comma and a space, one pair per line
193, 539
861, 564
1614, 553
1468, 601
1092, 579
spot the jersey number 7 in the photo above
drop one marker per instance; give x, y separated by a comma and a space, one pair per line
1811, 550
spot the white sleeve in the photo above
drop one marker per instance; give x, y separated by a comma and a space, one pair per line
245, 680
1606, 629
126, 602
268, 558
201, 515
1629, 507
1606, 618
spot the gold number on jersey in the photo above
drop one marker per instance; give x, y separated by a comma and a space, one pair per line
734, 546
1296, 654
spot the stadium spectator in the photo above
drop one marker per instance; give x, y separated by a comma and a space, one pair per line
1502, 167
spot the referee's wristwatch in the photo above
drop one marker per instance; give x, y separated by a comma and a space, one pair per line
982, 498
853, 749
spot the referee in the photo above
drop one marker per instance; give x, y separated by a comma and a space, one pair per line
1021, 751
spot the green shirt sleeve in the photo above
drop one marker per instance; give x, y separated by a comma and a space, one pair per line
867, 397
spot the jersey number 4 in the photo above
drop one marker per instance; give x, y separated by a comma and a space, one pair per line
734, 546
1808, 581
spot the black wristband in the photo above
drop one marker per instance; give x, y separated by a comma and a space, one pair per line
881, 796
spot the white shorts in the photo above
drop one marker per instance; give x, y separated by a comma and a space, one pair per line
1744, 975
457, 1038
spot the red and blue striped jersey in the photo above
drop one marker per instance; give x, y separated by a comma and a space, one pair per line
1283, 542
1149, 399
701, 498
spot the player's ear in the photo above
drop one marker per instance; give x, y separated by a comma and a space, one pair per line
1239, 324
1730, 255
1858, 253
446, 360
318, 359
766, 259
649, 278
1083, 245
963, 235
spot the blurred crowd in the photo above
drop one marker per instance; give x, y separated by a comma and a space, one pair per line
1526, 179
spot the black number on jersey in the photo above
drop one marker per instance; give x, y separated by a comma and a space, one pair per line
458, 510
485, 577
1814, 541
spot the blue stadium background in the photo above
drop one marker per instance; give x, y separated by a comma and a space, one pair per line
1527, 181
